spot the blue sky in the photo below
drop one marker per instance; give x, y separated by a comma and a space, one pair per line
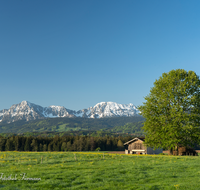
81, 52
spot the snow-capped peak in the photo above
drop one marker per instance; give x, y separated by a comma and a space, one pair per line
29, 111
112, 109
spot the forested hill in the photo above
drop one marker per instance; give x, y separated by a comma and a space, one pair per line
114, 125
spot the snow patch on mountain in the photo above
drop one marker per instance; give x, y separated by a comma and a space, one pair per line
112, 109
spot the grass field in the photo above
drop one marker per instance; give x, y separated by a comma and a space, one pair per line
91, 170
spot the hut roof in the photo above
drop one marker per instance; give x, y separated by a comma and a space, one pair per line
137, 138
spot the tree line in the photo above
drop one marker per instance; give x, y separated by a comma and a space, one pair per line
64, 143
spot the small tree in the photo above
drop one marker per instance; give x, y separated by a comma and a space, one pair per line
172, 110
120, 145
98, 149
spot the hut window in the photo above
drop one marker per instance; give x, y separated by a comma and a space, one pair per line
138, 146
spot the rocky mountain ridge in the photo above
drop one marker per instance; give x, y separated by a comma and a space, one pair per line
28, 111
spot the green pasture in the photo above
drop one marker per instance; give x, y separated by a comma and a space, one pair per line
92, 170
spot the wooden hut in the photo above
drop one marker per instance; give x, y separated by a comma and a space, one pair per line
183, 151
136, 146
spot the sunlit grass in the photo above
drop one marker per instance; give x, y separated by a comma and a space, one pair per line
95, 170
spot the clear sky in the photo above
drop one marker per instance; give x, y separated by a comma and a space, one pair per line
76, 53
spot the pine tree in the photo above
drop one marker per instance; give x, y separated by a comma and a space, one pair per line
27, 146
92, 144
9, 145
2, 144
64, 146
69, 146
45, 147
34, 145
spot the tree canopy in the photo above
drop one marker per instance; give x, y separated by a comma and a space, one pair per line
172, 110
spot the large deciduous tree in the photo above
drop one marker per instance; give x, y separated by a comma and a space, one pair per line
172, 110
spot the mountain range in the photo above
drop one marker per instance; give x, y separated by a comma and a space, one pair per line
28, 111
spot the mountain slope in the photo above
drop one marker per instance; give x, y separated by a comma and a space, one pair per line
27, 111
71, 124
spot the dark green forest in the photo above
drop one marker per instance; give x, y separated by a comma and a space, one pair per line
65, 143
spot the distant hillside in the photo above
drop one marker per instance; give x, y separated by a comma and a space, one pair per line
129, 128
114, 125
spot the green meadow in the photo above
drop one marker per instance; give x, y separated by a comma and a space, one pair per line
93, 170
